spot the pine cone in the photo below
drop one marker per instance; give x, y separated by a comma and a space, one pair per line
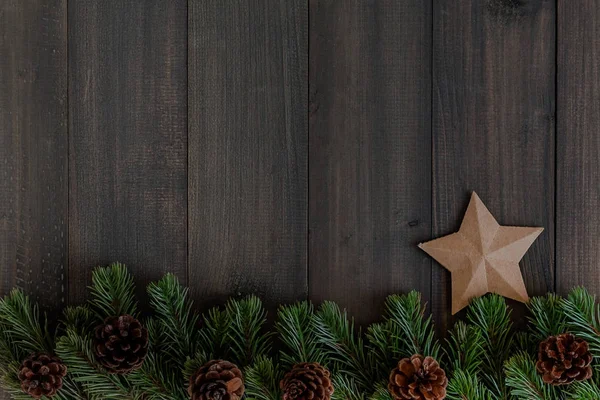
307, 381
418, 378
41, 375
121, 344
563, 359
217, 380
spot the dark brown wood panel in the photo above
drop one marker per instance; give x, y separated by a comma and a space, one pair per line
493, 125
248, 149
578, 146
33, 149
128, 138
370, 151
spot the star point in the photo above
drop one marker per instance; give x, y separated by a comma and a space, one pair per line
483, 256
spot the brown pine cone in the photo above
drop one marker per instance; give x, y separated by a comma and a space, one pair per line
563, 359
418, 378
41, 375
121, 344
217, 380
307, 381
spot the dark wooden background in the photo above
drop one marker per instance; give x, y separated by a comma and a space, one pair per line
295, 149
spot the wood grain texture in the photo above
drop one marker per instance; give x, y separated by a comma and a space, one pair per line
33, 149
128, 140
370, 151
493, 125
578, 146
248, 96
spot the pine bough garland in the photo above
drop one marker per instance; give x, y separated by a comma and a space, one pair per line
105, 350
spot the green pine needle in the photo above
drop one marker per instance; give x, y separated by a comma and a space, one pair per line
524, 381
113, 291
346, 388
385, 346
262, 380
416, 330
547, 316
80, 318
583, 391
492, 316
77, 353
583, 317
174, 312
21, 325
467, 386
465, 348
158, 380
381, 393
213, 335
247, 337
192, 364
343, 346
160, 377
295, 329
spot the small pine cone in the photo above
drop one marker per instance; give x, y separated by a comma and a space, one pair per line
307, 381
41, 375
217, 380
418, 378
563, 359
121, 344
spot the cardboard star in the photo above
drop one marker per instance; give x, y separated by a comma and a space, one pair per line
483, 256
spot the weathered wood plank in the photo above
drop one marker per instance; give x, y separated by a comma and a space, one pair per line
370, 151
128, 139
33, 149
578, 145
247, 149
493, 125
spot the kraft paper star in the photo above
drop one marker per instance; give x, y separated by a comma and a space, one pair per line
483, 256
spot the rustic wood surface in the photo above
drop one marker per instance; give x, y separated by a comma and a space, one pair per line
127, 139
247, 150
370, 151
493, 125
294, 149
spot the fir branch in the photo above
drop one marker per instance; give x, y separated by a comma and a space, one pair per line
525, 341
466, 386
262, 380
583, 317
10, 381
385, 347
213, 335
81, 319
21, 325
295, 329
524, 381
346, 388
174, 312
71, 390
9, 351
76, 352
159, 377
192, 364
491, 315
583, 391
158, 380
465, 348
417, 334
547, 316
336, 334
246, 334
113, 291
381, 393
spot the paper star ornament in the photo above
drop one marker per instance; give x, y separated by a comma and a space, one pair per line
483, 256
